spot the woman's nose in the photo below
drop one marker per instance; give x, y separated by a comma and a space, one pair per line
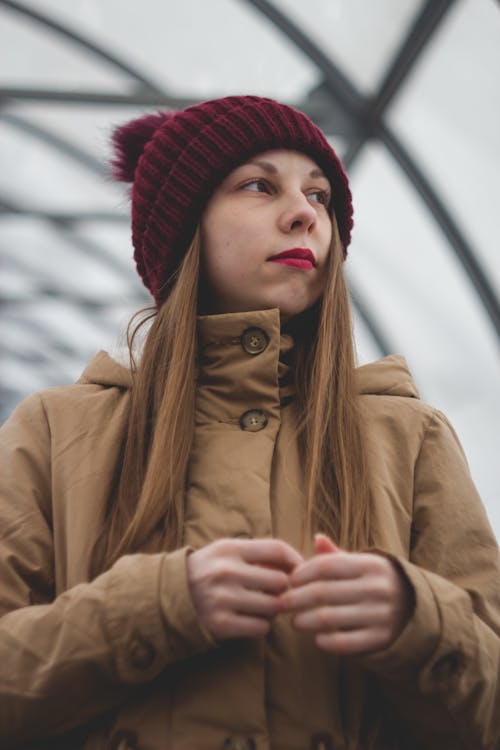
298, 214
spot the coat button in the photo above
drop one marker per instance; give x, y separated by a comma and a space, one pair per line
254, 340
448, 666
253, 420
142, 653
239, 743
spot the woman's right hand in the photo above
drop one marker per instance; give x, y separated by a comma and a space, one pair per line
236, 583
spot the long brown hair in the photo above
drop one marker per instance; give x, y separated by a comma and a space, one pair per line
148, 503
336, 481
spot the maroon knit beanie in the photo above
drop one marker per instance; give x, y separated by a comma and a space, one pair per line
176, 159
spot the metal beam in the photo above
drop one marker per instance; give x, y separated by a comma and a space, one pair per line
339, 86
63, 145
47, 344
368, 319
136, 98
403, 63
368, 116
448, 226
79, 39
419, 35
63, 225
48, 287
62, 219
90, 309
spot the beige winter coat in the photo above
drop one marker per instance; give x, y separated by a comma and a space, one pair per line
123, 663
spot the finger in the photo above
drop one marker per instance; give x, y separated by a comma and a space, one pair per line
351, 617
319, 593
267, 580
352, 641
273, 552
323, 544
329, 566
254, 603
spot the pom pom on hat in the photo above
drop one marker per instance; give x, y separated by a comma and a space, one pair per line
176, 159
129, 141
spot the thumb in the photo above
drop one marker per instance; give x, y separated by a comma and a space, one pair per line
323, 544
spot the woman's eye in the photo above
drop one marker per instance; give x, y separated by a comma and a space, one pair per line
320, 196
256, 186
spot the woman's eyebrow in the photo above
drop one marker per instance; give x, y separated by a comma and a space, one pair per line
266, 166
317, 172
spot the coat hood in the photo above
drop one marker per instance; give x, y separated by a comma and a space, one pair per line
104, 370
389, 376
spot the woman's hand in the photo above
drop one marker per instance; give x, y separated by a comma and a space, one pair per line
236, 583
352, 602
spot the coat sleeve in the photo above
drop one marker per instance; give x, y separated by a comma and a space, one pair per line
67, 659
443, 672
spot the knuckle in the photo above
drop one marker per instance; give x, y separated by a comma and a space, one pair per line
328, 565
379, 564
380, 638
279, 580
319, 593
386, 589
279, 551
221, 569
322, 565
381, 613
219, 599
286, 555
221, 621
325, 618
213, 547
222, 546
270, 583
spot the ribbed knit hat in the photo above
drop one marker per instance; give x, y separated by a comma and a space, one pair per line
176, 159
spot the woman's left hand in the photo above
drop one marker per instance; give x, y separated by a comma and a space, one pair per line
353, 602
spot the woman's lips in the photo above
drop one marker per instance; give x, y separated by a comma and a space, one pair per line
306, 265
297, 257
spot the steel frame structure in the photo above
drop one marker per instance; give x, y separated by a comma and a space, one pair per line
361, 118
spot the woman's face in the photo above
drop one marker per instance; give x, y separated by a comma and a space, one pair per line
275, 203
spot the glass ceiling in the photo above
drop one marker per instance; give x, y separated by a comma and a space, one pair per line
408, 92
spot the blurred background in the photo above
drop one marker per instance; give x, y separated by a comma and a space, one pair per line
407, 90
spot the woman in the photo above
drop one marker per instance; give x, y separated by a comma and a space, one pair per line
241, 542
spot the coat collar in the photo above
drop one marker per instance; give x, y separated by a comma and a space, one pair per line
389, 376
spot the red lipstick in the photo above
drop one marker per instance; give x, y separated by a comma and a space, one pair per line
297, 257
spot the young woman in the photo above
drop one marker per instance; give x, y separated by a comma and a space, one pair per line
242, 542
